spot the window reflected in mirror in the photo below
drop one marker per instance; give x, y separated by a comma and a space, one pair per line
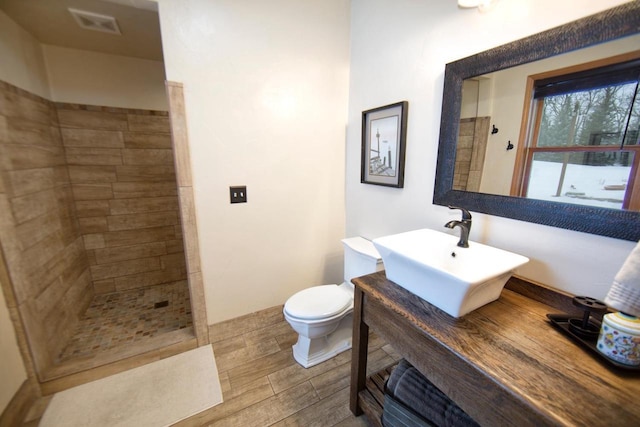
583, 137
583, 103
593, 178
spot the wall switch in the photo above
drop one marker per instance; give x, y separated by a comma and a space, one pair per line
238, 194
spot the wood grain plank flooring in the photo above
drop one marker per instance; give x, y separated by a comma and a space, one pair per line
316, 396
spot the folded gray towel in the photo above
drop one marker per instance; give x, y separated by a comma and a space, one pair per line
409, 387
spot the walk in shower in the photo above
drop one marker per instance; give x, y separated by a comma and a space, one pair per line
90, 231
92, 255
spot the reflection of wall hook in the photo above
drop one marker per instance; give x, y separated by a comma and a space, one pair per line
494, 129
509, 146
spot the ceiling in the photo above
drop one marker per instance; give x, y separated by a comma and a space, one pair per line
50, 22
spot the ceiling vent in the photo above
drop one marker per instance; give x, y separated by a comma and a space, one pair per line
95, 21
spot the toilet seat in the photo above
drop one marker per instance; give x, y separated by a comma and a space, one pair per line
318, 302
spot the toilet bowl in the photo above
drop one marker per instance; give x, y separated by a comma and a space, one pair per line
322, 315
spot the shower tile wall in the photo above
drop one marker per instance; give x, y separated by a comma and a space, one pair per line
470, 152
124, 186
39, 232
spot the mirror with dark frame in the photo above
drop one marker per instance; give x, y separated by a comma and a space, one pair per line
622, 223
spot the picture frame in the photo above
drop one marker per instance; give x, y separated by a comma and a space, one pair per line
384, 133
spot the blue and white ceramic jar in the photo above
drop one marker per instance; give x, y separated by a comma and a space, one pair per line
619, 338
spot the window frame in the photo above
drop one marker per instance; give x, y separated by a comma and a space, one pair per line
529, 133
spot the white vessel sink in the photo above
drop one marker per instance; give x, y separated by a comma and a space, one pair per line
457, 280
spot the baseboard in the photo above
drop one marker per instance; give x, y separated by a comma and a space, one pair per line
17, 409
246, 323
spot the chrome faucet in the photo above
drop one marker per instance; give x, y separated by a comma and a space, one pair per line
464, 224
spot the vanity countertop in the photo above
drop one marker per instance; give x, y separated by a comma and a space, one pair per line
503, 363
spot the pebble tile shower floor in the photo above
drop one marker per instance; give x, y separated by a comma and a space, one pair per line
127, 317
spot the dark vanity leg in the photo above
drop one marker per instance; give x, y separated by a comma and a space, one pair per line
359, 352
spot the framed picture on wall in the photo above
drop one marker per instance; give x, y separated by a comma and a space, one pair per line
384, 136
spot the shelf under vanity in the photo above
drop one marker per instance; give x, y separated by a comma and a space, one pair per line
503, 364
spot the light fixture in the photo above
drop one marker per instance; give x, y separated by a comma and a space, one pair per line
469, 4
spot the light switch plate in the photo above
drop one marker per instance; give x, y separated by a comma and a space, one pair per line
238, 194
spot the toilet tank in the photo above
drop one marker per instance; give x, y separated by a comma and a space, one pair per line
360, 258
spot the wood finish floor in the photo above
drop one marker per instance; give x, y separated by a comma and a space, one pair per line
262, 384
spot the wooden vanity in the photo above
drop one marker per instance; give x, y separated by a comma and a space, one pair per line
503, 364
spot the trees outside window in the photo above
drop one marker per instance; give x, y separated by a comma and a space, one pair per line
583, 140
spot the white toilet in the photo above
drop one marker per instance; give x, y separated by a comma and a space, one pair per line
322, 315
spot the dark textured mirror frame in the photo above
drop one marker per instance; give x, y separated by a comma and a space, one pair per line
614, 23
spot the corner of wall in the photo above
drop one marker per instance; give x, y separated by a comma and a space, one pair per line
22, 59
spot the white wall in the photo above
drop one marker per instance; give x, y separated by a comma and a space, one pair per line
399, 50
76, 76
93, 78
12, 371
266, 86
21, 59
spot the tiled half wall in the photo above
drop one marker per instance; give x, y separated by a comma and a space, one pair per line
124, 187
470, 153
39, 231
88, 204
